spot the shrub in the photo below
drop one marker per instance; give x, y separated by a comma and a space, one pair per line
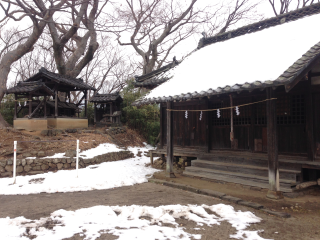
7, 108
145, 119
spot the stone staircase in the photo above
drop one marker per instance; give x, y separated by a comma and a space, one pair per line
245, 171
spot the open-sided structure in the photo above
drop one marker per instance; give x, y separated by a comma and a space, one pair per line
59, 113
245, 104
106, 108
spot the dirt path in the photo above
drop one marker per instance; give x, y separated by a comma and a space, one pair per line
35, 206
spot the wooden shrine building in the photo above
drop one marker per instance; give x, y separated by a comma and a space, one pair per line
57, 112
106, 108
245, 106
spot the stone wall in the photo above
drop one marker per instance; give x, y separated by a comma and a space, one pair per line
41, 165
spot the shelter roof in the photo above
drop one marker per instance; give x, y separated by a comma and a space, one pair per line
27, 87
75, 83
103, 98
272, 52
156, 77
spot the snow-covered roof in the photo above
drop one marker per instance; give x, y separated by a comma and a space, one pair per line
273, 56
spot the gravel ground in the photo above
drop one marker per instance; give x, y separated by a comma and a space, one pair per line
35, 206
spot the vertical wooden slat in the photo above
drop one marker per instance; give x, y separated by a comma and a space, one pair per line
169, 172
309, 121
56, 104
30, 104
15, 106
272, 139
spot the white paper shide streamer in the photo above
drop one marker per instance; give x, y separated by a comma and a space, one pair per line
200, 116
237, 111
218, 113
186, 114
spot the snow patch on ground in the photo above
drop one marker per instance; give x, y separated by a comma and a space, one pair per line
94, 177
129, 222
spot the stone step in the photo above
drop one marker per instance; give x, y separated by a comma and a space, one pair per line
253, 160
283, 182
246, 169
233, 179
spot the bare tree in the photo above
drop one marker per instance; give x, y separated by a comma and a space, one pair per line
284, 6
73, 38
12, 50
157, 26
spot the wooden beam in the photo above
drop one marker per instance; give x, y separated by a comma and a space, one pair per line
80, 100
37, 108
272, 138
15, 107
309, 122
169, 170
56, 113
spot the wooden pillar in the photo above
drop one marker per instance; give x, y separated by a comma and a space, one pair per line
272, 138
169, 172
231, 122
251, 128
45, 106
309, 121
15, 106
161, 126
68, 94
110, 112
85, 103
208, 127
30, 104
95, 113
56, 103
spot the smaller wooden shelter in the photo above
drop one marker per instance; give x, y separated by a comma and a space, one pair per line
106, 108
59, 113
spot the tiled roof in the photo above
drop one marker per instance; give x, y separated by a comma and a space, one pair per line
26, 87
110, 97
156, 77
74, 82
299, 66
63, 105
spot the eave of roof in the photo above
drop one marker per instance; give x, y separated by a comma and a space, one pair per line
73, 82
110, 97
27, 87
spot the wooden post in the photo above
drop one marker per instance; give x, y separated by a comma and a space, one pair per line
95, 113
251, 128
85, 103
111, 112
30, 104
15, 106
161, 126
56, 104
231, 121
208, 126
309, 121
169, 172
274, 187
45, 107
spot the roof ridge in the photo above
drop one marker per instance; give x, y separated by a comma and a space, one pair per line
261, 25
